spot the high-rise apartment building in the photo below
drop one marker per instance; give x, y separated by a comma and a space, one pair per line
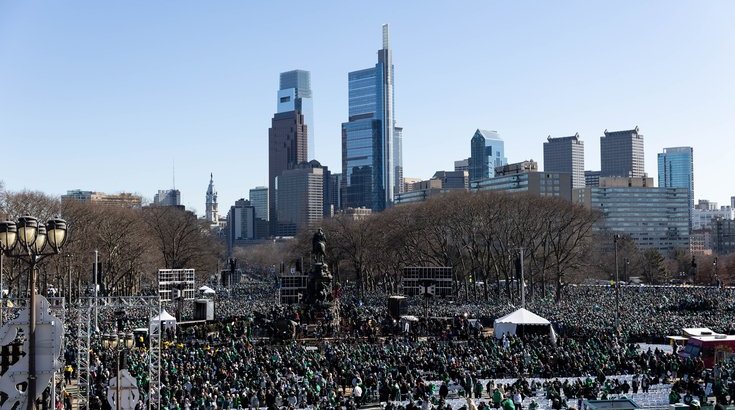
621, 154
487, 151
211, 212
259, 201
371, 143
167, 197
294, 94
566, 154
288, 135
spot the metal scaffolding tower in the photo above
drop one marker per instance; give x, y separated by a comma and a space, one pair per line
86, 331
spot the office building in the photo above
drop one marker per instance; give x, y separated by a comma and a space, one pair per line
723, 236
335, 182
516, 168
462, 165
240, 224
487, 152
566, 154
591, 178
676, 170
287, 137
371, 143
123, 199
554, 184
654, 217
294, 94
259, 201
410, 184
356, 214
167, 197
621, 154
441, 183
398, 160
700, 242
300, 198
704, 217
453, 179
211, 207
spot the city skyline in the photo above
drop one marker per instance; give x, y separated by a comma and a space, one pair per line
120, 92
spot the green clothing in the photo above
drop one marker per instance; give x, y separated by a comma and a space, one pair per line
496, 396
674, 397
508, 404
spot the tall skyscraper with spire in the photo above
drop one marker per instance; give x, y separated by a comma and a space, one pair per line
372, 164
212, 215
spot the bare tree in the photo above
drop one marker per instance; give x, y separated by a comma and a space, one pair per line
182, 241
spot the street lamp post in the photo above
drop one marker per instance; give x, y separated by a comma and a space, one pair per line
121, 343
8, 236
26, 240
617, 287
68, 278
714, 272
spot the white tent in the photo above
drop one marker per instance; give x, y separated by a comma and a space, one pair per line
520, 320
166, 321
207, 290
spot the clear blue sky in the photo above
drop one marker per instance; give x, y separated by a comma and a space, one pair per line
108, 94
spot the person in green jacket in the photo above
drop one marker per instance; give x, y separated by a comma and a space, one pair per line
674, 397
478, 388
497, 397
507, 404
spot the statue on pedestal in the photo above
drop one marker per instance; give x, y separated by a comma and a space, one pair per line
320, 285
319, 246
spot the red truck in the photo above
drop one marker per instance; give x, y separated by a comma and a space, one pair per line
711, 349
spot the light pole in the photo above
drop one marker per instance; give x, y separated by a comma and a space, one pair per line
31, 239
617, 287
121, 343
8, 235
714, 272
68, 257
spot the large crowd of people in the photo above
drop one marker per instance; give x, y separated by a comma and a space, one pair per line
234, 362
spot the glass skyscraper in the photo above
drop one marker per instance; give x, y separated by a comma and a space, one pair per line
676, 170
294, 94
487, 151
372, 166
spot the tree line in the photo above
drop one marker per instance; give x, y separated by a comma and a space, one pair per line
132, 244
480, 235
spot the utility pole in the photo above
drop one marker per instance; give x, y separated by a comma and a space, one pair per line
523, 284
617, 287
96, 288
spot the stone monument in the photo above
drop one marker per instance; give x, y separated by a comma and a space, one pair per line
320, 298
